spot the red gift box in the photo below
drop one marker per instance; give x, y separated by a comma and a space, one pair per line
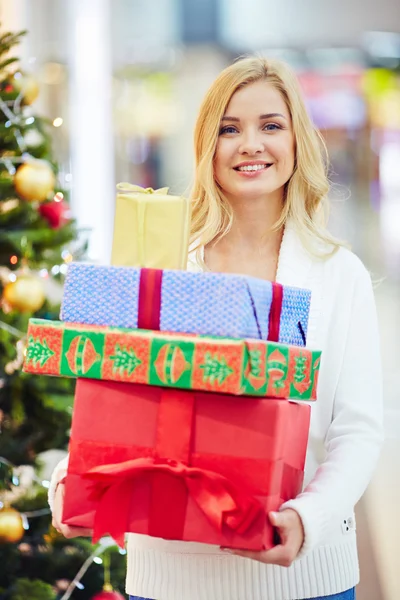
182, 465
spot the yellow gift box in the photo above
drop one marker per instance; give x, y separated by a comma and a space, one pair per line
151, 228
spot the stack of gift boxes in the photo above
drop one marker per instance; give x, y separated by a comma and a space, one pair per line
184, 425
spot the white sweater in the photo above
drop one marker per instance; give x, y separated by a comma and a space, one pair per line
345, 438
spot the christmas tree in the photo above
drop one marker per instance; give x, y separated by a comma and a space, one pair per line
36, 237
215, 369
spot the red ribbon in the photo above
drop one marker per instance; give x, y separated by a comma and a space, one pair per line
275, 312
149, 306
220, 500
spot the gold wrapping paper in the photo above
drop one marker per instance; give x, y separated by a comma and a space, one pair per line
151, 228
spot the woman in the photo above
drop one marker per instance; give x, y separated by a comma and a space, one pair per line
259, 197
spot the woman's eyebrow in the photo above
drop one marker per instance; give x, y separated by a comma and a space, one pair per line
266, 116
272, 115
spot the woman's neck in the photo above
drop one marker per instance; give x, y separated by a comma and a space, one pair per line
251, 246
252, 227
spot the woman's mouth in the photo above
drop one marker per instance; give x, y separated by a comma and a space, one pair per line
252, 170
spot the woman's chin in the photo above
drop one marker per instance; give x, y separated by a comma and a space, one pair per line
253, 192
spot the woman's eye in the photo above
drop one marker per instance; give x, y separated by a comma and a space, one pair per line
231, 129
272, 126
228, 129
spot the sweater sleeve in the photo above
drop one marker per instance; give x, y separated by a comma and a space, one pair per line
58, 474
355, 434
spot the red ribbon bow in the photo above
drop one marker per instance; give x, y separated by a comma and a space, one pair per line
220, 500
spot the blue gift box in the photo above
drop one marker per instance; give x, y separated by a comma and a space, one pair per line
186, 302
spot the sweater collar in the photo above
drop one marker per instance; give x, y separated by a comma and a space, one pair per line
294, 262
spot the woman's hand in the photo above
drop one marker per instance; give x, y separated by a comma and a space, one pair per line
291, 533
66, 530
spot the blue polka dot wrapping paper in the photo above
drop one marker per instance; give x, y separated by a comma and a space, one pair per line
214, 304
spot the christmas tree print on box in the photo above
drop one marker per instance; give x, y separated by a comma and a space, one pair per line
38, 351
224, 365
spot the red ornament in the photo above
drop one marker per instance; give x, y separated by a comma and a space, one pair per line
104, 595
56, 212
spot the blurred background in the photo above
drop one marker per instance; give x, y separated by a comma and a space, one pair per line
120, 84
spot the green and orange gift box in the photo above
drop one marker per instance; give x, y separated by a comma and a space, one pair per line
230, 366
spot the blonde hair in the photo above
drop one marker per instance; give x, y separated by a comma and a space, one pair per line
306, 194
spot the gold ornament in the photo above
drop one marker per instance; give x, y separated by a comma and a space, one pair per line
28, 85
25, 294
34, 181
11, 527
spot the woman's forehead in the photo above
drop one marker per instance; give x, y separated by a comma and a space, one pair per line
260, 97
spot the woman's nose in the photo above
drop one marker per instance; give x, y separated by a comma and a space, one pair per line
251, 144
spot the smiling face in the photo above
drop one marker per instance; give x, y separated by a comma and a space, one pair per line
255, 153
